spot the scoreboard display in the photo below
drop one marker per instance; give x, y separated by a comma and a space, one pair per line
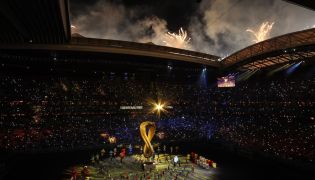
226, 81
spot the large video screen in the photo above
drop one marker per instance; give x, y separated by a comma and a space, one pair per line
226, 81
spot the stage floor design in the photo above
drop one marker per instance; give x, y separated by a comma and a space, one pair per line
130, 168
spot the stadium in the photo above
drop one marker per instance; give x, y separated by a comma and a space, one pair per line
80, 107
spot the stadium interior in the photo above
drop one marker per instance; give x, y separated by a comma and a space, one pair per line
69, 102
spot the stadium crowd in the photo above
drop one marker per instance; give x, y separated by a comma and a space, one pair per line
275, 116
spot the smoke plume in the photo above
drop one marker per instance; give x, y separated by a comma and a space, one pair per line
215, 26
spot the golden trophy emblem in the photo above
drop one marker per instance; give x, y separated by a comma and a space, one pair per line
147, 137
147, 130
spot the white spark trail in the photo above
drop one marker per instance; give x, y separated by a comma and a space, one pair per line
180, 40
263, 32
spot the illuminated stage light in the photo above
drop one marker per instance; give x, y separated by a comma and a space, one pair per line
158, 107
203, 77
246, 75
104, 135
293, 68
278, 69
112, 140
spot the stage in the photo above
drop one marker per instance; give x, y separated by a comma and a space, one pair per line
131, 168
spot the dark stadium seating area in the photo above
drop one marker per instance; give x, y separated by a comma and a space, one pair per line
270, 115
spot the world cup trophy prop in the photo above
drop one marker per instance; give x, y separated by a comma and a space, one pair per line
147, 130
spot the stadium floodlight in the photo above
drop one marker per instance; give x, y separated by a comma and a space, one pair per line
291, 69
278, 69
158, 107
246, 75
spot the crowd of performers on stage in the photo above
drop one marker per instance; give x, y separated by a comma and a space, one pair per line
176, 165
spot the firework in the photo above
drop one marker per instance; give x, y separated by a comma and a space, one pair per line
180, 40
263, 32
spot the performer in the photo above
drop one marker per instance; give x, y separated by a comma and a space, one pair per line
85, 172
92, 160
103, 152
74, 174
159, 150
193, 157
187, 158
115, 152
122, 154
97, 158
111, 155
209, 163
130, 149
175, 160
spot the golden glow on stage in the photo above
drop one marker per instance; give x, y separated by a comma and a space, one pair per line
147, 137
214, 165
112, 140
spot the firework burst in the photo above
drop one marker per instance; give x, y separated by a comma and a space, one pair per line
263, 32
180, 40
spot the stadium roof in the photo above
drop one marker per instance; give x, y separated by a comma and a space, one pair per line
34, 21
305, 3
45, 25
91, 45
142, 49
282, 49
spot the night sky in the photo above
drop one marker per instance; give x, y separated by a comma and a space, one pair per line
176, 13
214, 26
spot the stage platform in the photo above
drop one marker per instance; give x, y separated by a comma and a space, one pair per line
131, 168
